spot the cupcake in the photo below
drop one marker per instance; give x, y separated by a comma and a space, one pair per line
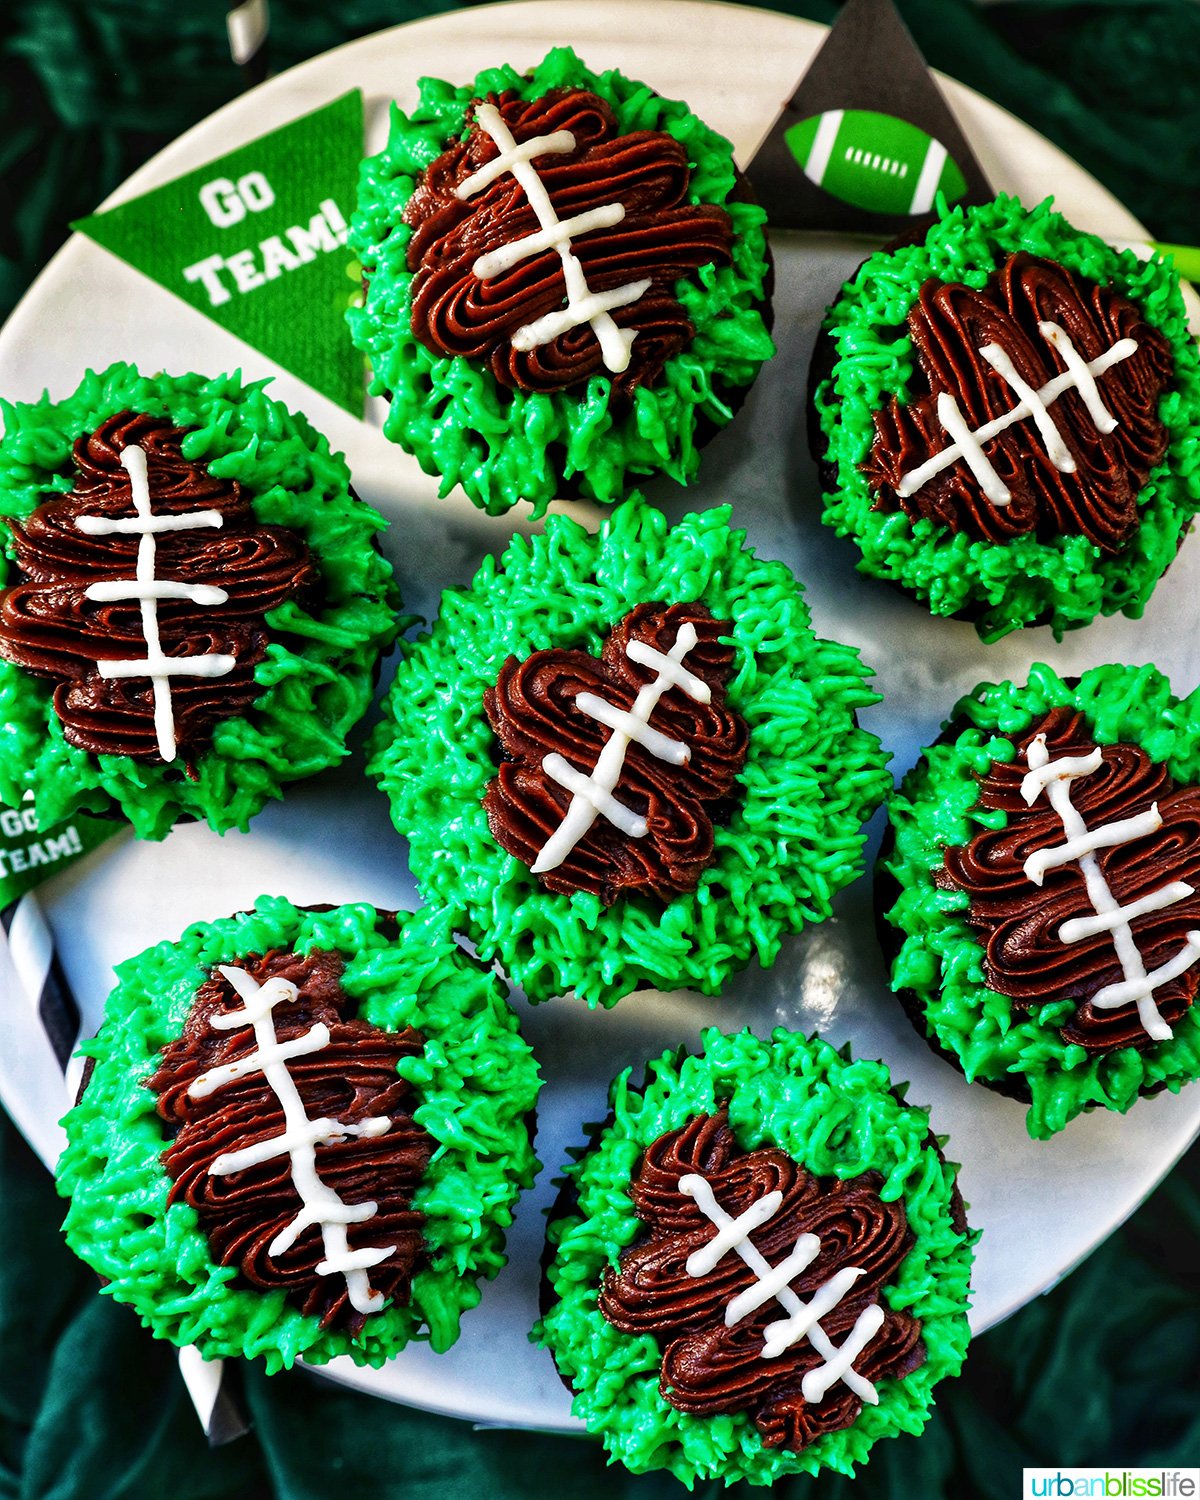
301, 1134
1006, 417
759, 1265
195, 606
625, 760
1038, 890
564, 283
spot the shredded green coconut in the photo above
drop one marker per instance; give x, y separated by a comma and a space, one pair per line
503, 446
812, 775
476, 1083
1063, 581
837, 1117
317, 677
941, 961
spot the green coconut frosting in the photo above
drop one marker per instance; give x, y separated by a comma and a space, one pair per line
475, 1085
811, 778
503, 446
940, 961
836, 1116
1065, 580
317, 676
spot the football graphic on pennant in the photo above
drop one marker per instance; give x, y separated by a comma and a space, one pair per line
874, 161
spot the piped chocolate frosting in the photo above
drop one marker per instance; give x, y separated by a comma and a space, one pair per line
351, 1080
709, 1368
661, 237
1020, 924
949, 327
50, 628
534, 713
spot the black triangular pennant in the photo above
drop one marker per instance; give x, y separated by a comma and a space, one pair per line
867, 140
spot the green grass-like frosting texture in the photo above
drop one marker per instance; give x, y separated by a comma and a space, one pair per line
811, 778
317, 677
475, 1084
941, 959
1063, 581
503, 446
837, 1117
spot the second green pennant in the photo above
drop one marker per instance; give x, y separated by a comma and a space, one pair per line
256, 240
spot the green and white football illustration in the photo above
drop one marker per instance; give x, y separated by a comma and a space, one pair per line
875, 161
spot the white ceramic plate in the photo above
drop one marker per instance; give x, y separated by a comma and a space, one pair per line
1042, 1207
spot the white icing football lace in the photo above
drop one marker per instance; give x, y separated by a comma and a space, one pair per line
1054, 777
148, 590
592, 796
301, 1135
773, 1282
967, 444
583, 305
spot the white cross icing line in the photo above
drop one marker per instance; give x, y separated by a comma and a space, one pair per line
670, 667
506, 256
841, 1367
148, 590
583, 305
1079, 928
660, 745
768, 1288
300, 1136
593, 308
588, 797
161, 588
1054, 777
560, 143
966, 444
730, 1232
1084, 373
1110, 836
339, 1213
773, 1282
313, 1040
144, 524
1056, 448
592, 796
315, 1133
1132, 989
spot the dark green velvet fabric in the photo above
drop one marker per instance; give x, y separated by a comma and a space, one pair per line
1105, 1370
89, 88
1101, 1371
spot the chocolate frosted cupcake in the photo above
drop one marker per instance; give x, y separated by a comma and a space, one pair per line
564, 283
302, 1134
1006, 415
759, 1265
195, 606
625, 760
1038, 890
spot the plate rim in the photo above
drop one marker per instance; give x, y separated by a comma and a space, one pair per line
161, 168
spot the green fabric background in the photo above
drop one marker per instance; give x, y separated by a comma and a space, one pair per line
1105, 1370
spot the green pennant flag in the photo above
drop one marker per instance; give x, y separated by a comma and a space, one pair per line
30, 854
256, 241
